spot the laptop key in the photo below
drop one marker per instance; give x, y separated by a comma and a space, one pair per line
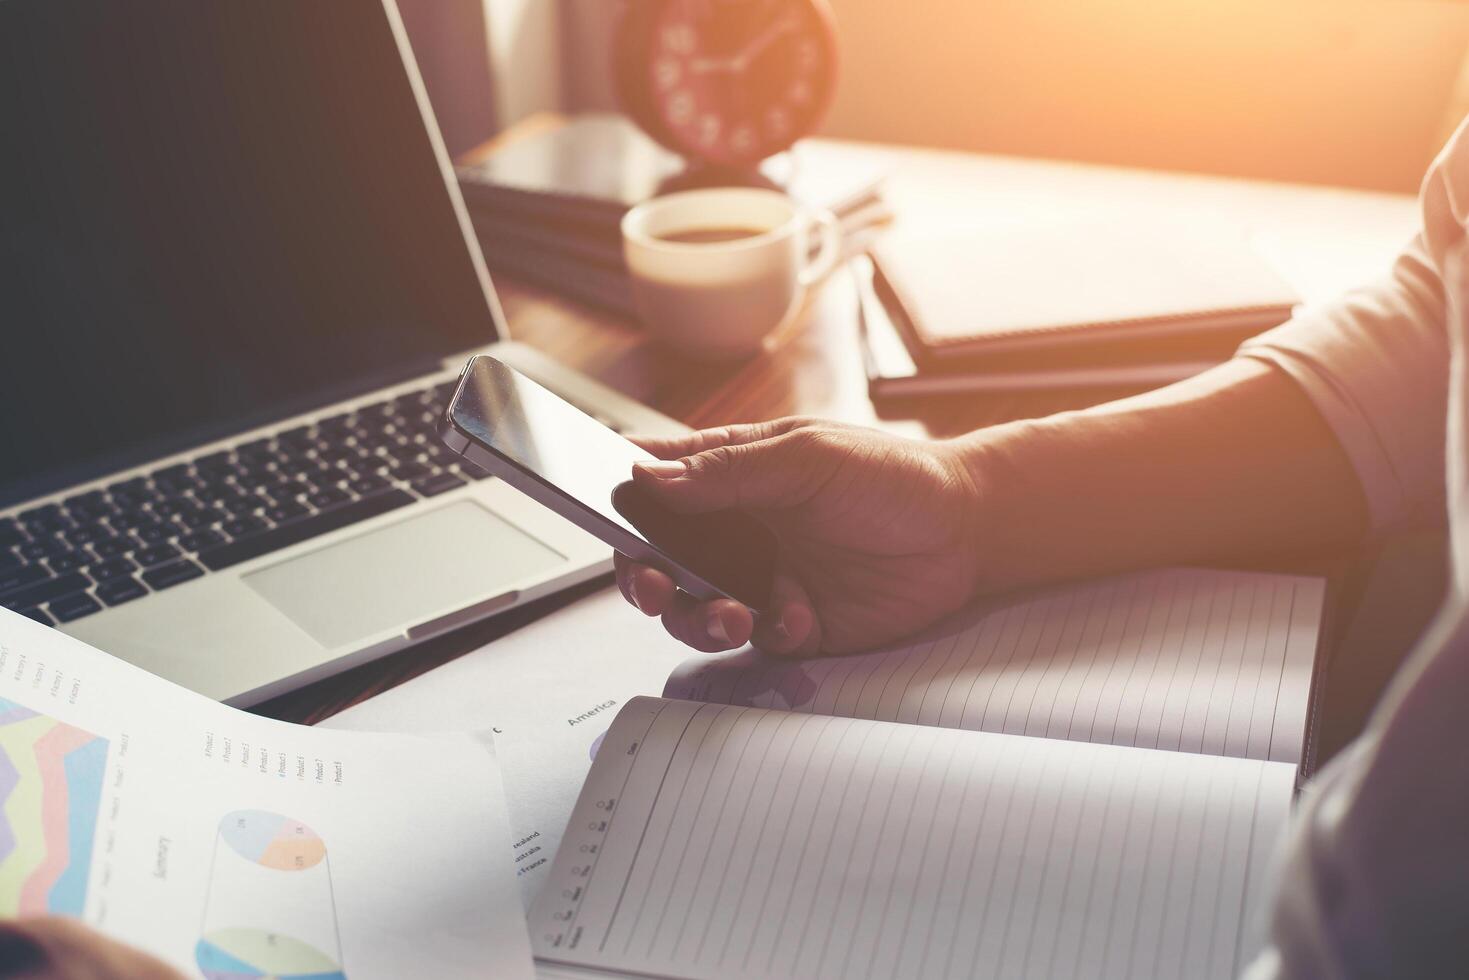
302, 530
129, 517
39, 615
192, 518
67, 561
84, 533
335, 423
42, 547
366, 484
10, 533
45, 590
409, 470
85, 499
120, 590
41, 527
438, 483
73, 607
15, 578
243, 527
255, 447
244, 505
201, 539
167, 576
112, 568
155, 554
45, 512
215, 463
328, 497
286, 511
111, 547
152, 533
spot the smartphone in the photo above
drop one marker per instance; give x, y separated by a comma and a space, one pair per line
566, 460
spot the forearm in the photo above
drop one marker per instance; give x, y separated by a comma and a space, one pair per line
1233, 463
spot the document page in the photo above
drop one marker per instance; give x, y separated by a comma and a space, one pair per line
1195, 660
549, 692
235, 846
718, 841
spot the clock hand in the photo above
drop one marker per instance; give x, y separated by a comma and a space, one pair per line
764, 40
740, 61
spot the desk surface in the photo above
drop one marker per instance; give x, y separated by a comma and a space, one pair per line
1323, 239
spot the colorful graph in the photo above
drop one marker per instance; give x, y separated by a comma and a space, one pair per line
254, 954
50, 792
272, 840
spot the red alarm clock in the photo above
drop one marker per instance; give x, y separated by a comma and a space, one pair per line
729, 82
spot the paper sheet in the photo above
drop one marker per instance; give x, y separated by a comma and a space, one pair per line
1196, 660
714, 841
232, 845
549, 692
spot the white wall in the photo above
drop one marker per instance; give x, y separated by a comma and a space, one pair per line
1348, 92
525, 57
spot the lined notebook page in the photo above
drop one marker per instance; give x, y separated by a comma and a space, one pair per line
1195, 660
717, 841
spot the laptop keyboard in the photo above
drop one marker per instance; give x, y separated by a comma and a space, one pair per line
62, 561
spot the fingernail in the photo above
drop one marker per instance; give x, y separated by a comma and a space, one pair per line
664, 469
716, 629
632, 597
785, 627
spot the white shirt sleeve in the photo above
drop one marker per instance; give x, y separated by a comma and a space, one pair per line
1374, 880
1376, 361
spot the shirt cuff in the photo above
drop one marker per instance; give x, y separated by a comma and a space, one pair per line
1388, 499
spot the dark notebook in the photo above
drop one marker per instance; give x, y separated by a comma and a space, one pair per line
579, 179
893, 373
987, 290
547, 208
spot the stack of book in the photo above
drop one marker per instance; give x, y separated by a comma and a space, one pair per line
547, 208
1057, 305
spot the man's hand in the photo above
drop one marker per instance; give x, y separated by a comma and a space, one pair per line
877, 533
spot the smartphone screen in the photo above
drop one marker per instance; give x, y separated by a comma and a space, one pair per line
569, 461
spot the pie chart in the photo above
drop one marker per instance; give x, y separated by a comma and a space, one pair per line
271, 840
254, 954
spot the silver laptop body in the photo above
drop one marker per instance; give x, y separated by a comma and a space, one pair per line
240, 256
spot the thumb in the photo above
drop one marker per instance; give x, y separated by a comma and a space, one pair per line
760, 475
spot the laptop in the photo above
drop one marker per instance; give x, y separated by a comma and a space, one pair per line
237, 284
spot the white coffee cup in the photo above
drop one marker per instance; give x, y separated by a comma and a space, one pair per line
720, 299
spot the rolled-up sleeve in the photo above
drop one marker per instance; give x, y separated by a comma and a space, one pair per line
1376, 365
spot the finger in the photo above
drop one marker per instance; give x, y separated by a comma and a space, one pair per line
54, 947
709, 626
647, 589
770, 473
789, 626
673, 447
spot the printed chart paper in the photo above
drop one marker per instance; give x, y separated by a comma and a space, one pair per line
235, 846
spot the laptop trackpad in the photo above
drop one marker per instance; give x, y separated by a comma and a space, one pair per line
403, 574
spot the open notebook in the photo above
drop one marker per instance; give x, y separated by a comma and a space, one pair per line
1083, 781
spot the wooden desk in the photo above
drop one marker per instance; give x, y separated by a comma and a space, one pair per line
1323, 239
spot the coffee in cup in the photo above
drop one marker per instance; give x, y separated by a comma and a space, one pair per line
714, 272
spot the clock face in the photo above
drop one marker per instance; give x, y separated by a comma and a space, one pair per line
734, 81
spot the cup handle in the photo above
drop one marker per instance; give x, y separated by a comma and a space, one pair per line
830, 230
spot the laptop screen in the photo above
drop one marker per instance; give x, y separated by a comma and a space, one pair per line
211, 215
